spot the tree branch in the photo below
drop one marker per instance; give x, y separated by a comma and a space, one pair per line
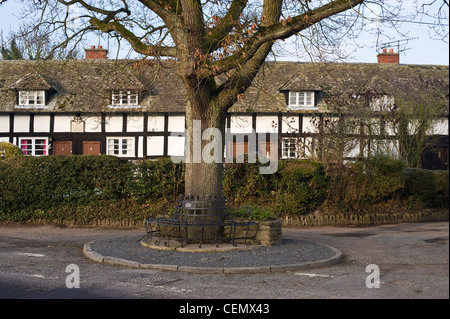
217, 34
277, 31
135, 42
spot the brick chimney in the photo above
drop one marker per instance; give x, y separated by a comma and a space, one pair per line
388, 57
96, 53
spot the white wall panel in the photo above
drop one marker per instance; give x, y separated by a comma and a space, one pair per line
92, 124
21, 123
176, 123
140, 146
42, 123
155, 145
4, 139
4, 123
267, 124
62, 123
175, 146
310, 125
155, 123
439, 127
114, 123
135, 124
290, 124
241, 124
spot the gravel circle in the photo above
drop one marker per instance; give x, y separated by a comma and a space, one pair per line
291, 251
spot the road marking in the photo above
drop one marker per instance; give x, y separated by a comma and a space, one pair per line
312, 275
30, 254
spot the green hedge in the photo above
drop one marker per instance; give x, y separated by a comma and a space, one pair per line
85, 189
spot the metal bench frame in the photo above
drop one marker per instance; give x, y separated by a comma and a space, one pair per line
205, 214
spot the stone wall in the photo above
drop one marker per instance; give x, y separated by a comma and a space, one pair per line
366, 219
268, 232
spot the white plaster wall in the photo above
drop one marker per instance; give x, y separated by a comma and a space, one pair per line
4, 123
21, 123
114, 123
4, 139
266, 124
135, 124
140, 146
155, 123
241, 124
175, 146
42, 123
155, 145
93, 124
308, 126
439, 127
62, 123
309, 147
290, 124
354, 151
176, 123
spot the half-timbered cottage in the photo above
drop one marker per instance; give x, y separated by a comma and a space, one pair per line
136, 109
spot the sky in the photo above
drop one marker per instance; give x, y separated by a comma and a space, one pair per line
420, 49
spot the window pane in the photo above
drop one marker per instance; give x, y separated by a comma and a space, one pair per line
301, 98
23, 98
292, 98
133, 98
124, 146
26, 145
309, 98
40, 147
115, 98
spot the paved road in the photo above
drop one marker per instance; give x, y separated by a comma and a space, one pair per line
412, 260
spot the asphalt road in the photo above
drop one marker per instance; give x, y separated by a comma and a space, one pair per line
412, 260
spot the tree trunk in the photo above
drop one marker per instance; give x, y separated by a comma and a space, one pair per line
203, 176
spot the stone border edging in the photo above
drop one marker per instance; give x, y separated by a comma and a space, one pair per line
94, 256
366, 219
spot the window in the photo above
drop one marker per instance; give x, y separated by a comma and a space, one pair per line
299, 99
124, 98
290, 147
32, 98
383, 103
120, 146
36, 146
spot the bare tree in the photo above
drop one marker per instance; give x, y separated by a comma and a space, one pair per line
208, 38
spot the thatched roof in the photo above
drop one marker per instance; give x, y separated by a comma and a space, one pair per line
85, 85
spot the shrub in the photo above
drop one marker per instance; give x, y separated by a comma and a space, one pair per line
297, 187
302, 187
8, 150
425, 188
363, 184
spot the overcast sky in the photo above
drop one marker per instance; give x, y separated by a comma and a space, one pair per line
421, 49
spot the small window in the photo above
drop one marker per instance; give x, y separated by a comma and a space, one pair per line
290, 147
32, 98
120, 146
383, 103
35, 146
124, 98
299, 99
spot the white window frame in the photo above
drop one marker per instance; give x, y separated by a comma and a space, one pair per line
115, 146
301, 99
30, 99
382, 103
120, 98
36, 147
290, 148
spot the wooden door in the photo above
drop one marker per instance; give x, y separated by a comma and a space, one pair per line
91, 148
62, 148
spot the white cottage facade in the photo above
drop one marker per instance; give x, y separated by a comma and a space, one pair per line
135, 110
